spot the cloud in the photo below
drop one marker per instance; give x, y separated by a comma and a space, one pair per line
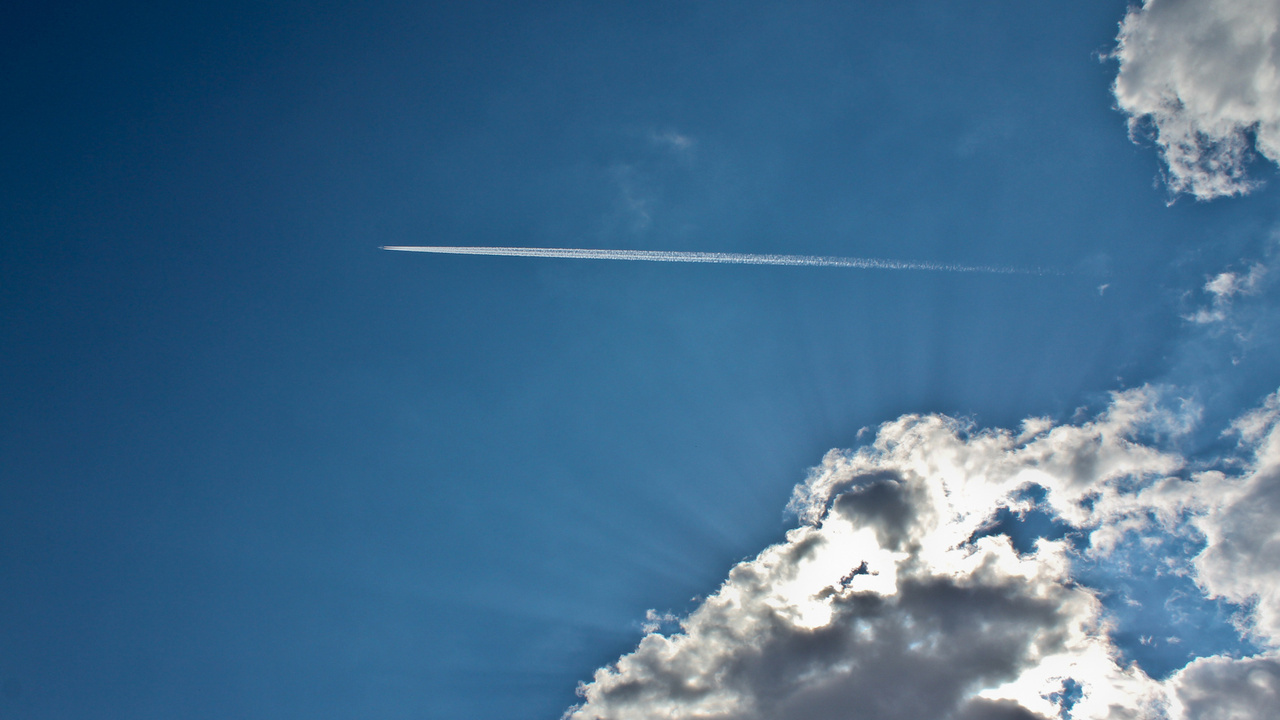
1238, 518
1221, 688
672, 140
647, 182
1222, 289
635, 201
1235, 315
1204, 77
902, 594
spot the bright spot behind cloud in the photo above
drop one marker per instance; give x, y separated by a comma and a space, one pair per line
1206, 75
901, 596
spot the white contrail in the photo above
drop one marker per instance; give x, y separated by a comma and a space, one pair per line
713, 257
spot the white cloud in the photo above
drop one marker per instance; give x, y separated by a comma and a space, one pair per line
672, 140
1206, 75
1222, 289
1241, 521
896, 598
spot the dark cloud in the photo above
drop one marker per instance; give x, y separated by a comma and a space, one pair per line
1228, 689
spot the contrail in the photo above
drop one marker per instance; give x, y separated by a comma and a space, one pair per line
715, 257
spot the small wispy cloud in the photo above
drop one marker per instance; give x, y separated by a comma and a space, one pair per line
642, 180
634, 203
672, 140
657, 622
1203, 77
1222, 290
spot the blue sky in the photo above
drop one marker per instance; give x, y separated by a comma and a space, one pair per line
251, 465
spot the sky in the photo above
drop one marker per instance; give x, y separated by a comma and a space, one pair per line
253, 465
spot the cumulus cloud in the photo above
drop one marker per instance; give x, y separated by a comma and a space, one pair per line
1239, 519
1221, 688
1204, 77
900, 596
